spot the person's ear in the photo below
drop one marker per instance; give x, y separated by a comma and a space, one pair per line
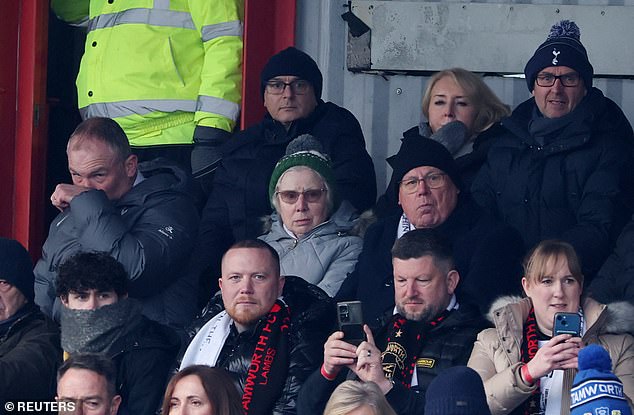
453, 278
131, 164
114, 404
64, 299
525, 285
281, 282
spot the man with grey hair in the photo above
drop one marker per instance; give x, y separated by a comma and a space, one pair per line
428, 332
141, 214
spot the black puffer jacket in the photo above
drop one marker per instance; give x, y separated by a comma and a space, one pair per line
572, 187
240, 192
313, 319
144, 356
30, 353
448, 344
151, 230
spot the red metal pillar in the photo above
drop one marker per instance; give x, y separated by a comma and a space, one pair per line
31, 125
269, 26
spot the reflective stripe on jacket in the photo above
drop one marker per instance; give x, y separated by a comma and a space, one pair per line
159, 67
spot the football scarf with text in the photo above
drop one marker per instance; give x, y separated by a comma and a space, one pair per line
403, 344
269, 364
530, 345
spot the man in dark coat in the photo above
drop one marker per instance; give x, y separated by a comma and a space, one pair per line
291, 87
29, 341
429, 332
98, 317
561, 169
142, 215
266, 330
487, 254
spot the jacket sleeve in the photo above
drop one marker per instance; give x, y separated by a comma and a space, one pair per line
504, 389
621, 349
153, 247
75, 12
220, 25
341, 266
29, 369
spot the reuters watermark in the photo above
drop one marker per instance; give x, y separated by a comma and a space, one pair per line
37, 407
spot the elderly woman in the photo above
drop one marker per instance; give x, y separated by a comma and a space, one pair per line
527, 369
311, 230
462, 113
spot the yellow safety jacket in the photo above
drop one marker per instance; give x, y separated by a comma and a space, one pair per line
159, 67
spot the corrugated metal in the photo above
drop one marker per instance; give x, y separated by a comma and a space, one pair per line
387, 106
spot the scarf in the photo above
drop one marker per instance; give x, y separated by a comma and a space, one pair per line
95, 331
546, 130
269, 363
530, 345
452, 136
403, 344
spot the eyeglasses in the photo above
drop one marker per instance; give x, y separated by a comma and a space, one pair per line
548, 79
291, 196
432, 180
298, 86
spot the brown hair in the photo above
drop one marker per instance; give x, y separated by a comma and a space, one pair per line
488, 106
218, 385
538, 261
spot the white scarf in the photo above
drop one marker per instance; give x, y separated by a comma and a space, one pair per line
205, 348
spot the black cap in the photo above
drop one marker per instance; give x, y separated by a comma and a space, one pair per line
16, 267
293, 62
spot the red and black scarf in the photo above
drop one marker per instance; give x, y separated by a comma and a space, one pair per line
269, 364
404, 341
530, 345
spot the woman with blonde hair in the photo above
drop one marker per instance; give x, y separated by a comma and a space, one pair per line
358, 398
525, 366
462, 113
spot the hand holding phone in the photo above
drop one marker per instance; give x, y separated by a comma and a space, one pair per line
567, 323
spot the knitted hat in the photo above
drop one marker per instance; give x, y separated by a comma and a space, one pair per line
307, 151
456, 391
562, 48
596, 390
292, 62
16, 267
417, 152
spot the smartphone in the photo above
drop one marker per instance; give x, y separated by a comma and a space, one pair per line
567, 323
350, 317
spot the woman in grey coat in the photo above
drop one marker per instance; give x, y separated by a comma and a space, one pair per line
312, 232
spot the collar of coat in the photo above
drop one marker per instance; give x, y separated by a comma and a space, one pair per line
618, 317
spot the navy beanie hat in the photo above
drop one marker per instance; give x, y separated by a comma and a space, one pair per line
596, 390
456, 391
16, 267
418, 151
563, 47
293, 62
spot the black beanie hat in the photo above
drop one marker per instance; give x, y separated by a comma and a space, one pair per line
417, 151
456, 391
562, 48
292, 62
16, 267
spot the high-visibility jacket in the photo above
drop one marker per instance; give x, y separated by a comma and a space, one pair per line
159, 67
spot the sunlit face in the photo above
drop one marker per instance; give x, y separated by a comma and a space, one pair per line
89, 391
189, 398
428, 208
449, 102
558, 291
89, 299
558, 100
421, 289
11, 300
250, 284
289, 106
92, 163
302, 216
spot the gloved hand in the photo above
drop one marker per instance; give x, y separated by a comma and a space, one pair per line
206, 154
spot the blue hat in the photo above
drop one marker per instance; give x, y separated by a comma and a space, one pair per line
456, 391
563, 47
596, 390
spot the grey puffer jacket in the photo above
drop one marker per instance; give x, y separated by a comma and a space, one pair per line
496, 354
151, 230
325, 255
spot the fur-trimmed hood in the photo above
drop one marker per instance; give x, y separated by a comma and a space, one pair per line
616, 318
